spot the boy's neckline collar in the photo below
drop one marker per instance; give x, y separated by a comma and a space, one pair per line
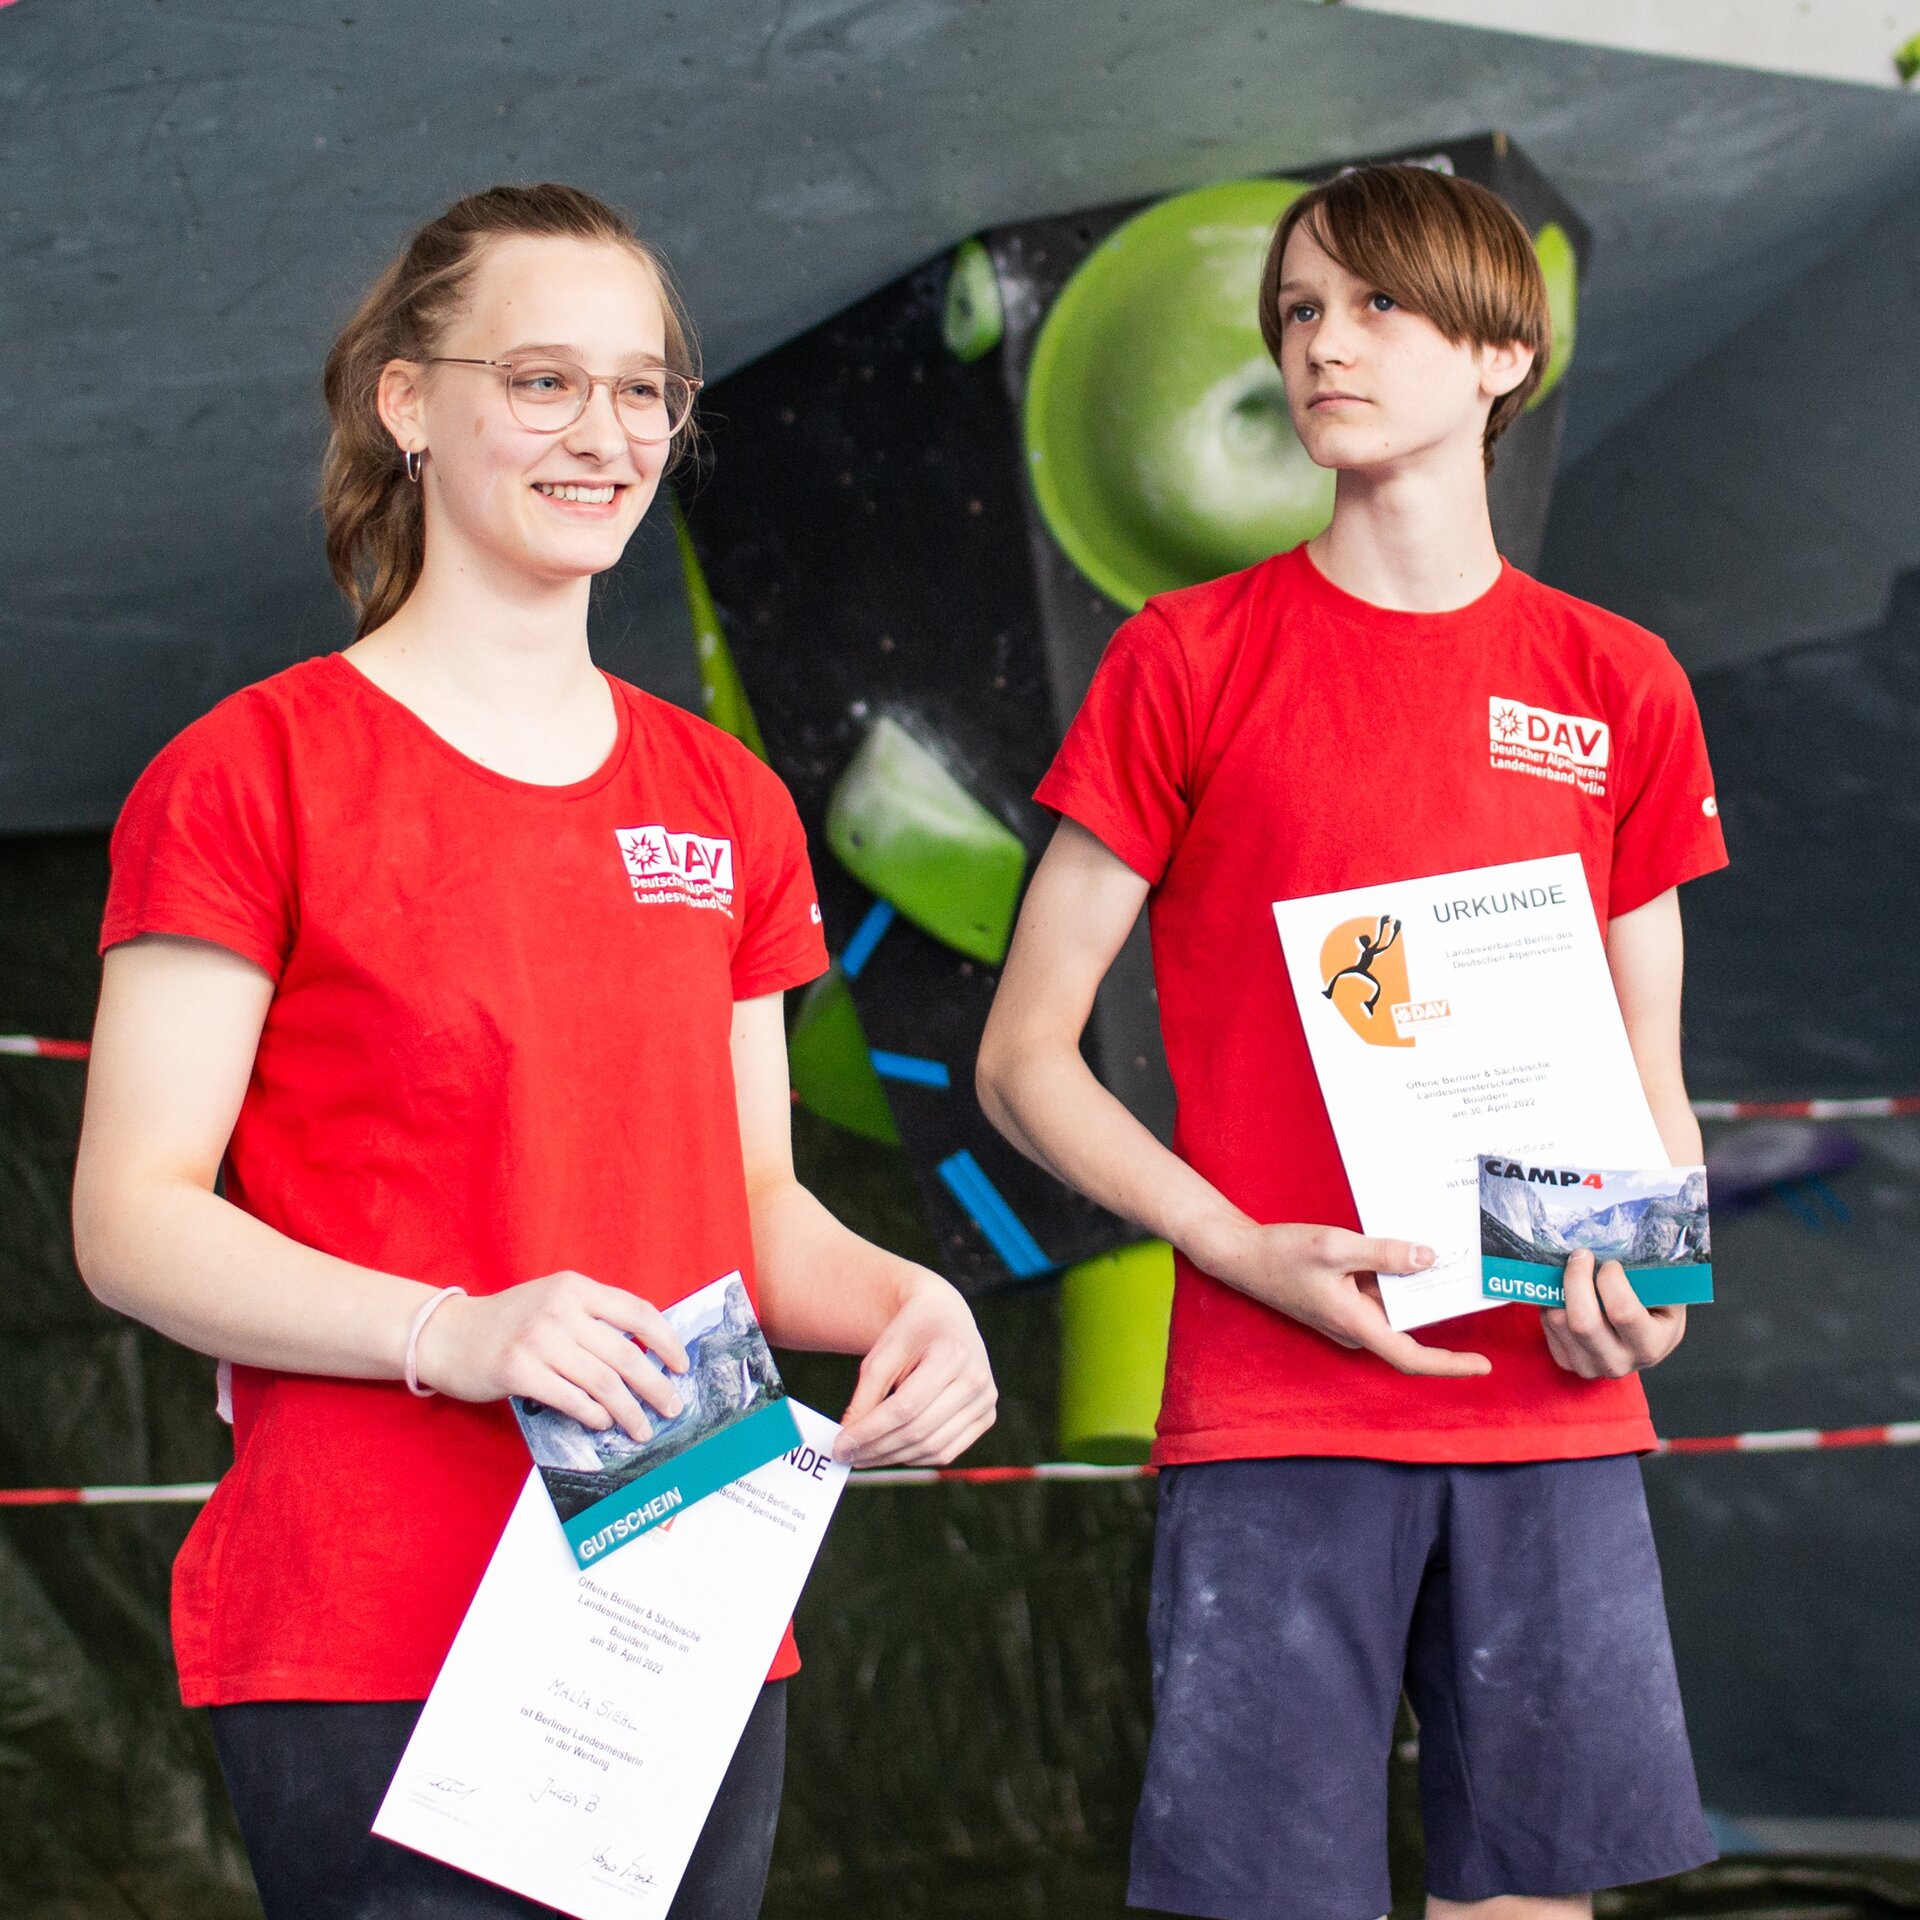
1378, 620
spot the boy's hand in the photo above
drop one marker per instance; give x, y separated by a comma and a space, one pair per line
1324, 1277
926, 1391
1603, 1332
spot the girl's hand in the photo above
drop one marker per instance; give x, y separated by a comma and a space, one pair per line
560, 1340
926, 1391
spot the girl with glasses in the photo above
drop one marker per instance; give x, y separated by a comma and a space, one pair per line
462, 962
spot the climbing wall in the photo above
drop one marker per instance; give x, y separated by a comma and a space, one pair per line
921, 522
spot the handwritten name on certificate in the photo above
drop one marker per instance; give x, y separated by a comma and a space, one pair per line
1449, 1017
577, 1735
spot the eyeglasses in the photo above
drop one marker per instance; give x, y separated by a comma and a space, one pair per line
548, 396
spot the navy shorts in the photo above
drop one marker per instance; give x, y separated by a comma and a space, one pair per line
306, 1778
1521, 1609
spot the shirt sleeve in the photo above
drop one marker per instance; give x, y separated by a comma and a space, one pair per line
1667, 818
1125, 769
203, 846
781, 942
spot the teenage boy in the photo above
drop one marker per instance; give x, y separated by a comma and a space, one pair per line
1343, 1508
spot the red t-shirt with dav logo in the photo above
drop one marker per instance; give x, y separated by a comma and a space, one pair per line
1265, 737
498, 1048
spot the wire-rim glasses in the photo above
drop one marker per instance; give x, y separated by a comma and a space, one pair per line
547, 395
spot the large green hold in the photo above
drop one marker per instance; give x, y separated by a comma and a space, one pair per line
1114, 1314
1158, 438
909, 831
830, 1067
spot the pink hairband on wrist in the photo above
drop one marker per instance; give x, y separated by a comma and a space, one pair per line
410, 1368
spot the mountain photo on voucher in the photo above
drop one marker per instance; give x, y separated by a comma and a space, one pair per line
1533, 1219
609, 1488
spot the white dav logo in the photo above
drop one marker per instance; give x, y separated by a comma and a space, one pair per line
685, 869
1566, 747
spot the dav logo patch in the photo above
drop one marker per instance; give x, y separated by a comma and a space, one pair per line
1566, 747
677, 869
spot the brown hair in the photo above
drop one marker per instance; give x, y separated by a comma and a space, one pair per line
376, 530
1446, 248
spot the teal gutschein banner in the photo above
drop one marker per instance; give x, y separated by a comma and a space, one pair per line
642, 1504
1537, 1285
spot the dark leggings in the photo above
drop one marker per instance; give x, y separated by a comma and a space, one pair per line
307, 1777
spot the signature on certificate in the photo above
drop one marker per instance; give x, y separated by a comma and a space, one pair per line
448, 1787
631, 1872
565, 1796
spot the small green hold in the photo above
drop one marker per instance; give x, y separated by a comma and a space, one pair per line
1906, 61
907, 830
974, 319
724, 694
830, 1067
1560, 266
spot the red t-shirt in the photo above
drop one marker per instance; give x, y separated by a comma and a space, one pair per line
498, 1048
1267, 736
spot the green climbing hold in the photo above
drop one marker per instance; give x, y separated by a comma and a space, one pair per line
1906, 61
1158, 439
1561, 269
973, 319
830, 1067
724, 693
1114, 1313
909, 831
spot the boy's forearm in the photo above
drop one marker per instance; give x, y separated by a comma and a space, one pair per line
1679, 1130
1646, 954
1047, 1102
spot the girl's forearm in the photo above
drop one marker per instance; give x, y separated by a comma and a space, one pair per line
822, 1288
194, 1267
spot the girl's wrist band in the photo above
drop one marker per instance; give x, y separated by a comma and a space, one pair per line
410, 1369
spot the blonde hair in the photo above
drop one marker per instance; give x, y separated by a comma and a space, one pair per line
1443, 247
376, 529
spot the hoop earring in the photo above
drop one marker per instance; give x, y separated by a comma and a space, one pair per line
412, 464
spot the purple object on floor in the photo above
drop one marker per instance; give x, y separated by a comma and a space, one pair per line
1745, 1167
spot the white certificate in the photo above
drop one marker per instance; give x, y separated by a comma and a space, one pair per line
580, 1728
1464, 1014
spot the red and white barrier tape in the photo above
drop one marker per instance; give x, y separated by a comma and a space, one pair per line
993, 1476
1897, 1433
188, 1493
1878, 1109
1883, 1108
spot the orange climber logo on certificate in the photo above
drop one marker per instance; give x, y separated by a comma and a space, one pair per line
1363, 972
